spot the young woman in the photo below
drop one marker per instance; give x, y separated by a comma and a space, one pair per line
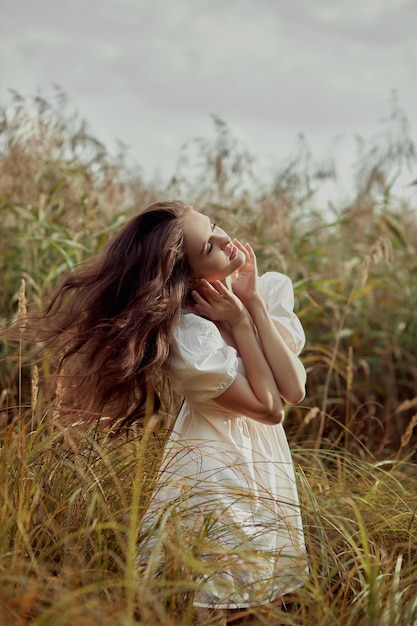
174, 299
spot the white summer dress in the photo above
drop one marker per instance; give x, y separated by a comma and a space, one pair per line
226, 480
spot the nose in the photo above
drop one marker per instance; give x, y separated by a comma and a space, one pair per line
224, 240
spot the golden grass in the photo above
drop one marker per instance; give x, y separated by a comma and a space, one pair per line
73, 509
72, 503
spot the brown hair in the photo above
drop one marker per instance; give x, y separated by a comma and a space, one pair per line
111, 321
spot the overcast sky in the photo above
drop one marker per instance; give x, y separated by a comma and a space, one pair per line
151, 72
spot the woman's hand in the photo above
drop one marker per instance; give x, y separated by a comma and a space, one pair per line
219, 304
245, 280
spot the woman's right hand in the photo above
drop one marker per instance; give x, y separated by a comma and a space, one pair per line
216, 302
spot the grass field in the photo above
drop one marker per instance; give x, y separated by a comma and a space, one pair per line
72, 502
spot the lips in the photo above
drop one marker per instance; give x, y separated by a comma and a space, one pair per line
233, 253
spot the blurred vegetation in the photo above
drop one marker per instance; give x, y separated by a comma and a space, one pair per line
354, 266
72, 504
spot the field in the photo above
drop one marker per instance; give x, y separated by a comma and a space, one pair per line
72, 501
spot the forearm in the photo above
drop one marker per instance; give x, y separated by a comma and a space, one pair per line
286, 367
258, 371
255, 394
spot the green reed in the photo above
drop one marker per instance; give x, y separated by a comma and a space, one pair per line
73, 502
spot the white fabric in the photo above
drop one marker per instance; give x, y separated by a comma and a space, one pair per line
228, 478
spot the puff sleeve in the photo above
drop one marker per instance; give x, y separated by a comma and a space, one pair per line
201, 365
278, 294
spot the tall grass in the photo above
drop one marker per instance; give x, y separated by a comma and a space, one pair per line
73, 502
73, 509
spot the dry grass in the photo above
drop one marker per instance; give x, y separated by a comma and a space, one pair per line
73, 503
74, 508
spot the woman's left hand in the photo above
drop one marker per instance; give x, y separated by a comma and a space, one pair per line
216, 302
245, 280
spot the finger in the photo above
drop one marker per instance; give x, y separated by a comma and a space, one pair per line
204, 288
215, 289
250, 251
243, 249
207, 286
240, 246
198, 297
200, 310
221, 288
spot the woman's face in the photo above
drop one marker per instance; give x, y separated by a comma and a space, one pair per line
210, 252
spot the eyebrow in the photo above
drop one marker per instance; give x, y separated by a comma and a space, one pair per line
205, 242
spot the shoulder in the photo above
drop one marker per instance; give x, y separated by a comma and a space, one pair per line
278, 293
193, 332
271, 282
191, 323
201, 365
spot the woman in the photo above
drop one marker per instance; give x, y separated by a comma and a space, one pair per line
174, 299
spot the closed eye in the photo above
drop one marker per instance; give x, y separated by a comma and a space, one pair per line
210, 243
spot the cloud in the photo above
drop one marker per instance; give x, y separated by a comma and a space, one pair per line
148, 71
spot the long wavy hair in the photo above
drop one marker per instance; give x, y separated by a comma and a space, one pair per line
111, 321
